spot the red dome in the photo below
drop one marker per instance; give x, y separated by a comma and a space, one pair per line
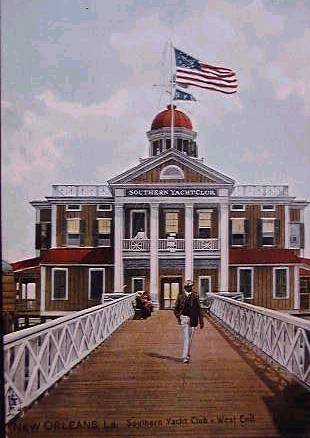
163, 119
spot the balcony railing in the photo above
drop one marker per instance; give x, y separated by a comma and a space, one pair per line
171, 245
255, 190
206, 244
138, 245
143, 245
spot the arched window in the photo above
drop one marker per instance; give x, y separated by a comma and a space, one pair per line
172, 172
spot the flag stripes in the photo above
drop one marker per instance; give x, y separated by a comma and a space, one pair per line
191, 72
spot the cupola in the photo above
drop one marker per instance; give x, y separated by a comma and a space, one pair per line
159, 135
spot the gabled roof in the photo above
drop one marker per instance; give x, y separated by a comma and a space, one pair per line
153, 162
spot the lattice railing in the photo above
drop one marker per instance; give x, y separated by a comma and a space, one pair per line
285, 338
35, 358
206, 244
136, 244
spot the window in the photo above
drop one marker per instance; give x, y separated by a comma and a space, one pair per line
104, 231
96, 284
73, 207
43, 235
137, 284
59, 283
73, 232
245, 282
28, 291
104, 207
172, 222
295, 235
171, 172
204, 224
268, 207
237, 207
104, 225
280, 283
204, 286
238, 234
268, 232
137, 223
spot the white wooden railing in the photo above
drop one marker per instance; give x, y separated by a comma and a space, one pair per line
285, 338
35, 358
206, 244
260, 190
136, 244
171, 245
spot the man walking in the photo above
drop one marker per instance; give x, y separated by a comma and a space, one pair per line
188, 313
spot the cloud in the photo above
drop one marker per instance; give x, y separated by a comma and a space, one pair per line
115, 106
289, 72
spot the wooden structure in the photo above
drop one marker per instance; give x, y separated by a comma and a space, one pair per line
168, 219
8, 298
135, 385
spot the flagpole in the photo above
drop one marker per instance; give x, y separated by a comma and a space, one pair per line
172, 94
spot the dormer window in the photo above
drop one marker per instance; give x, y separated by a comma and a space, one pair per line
172, 172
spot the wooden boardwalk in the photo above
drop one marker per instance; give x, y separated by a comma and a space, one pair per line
134, 385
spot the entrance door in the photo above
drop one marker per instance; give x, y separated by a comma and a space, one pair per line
170, 287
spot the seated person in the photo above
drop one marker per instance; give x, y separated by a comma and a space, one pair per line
140, 234
147, 301
144, 305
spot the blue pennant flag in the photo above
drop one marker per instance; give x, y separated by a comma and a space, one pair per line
182, 95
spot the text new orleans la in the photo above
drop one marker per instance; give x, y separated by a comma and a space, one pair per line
167, 191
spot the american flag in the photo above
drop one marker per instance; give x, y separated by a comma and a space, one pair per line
190, 71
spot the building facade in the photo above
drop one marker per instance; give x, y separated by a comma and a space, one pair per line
168, 219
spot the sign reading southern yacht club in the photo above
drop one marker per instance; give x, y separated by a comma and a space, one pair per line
167, 191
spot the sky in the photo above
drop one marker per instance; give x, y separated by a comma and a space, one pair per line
78, 94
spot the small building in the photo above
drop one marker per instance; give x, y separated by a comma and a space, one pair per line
168, 219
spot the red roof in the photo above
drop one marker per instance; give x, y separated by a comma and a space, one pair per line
264, 256
83, 256
26, 264
304, 272
163, 119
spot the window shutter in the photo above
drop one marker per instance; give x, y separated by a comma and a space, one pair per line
48, 241
82, 232
38, 236
277, 232
95, 232
230, 232
259, 232
60, 284
302, 235
64, 232
246, 231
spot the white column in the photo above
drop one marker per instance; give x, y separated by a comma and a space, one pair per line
224, 247
118, 253
287, 226
296, 288
154, 254
42, 287
189, 262
54, 224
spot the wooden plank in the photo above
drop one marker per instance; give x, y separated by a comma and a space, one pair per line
135, 386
